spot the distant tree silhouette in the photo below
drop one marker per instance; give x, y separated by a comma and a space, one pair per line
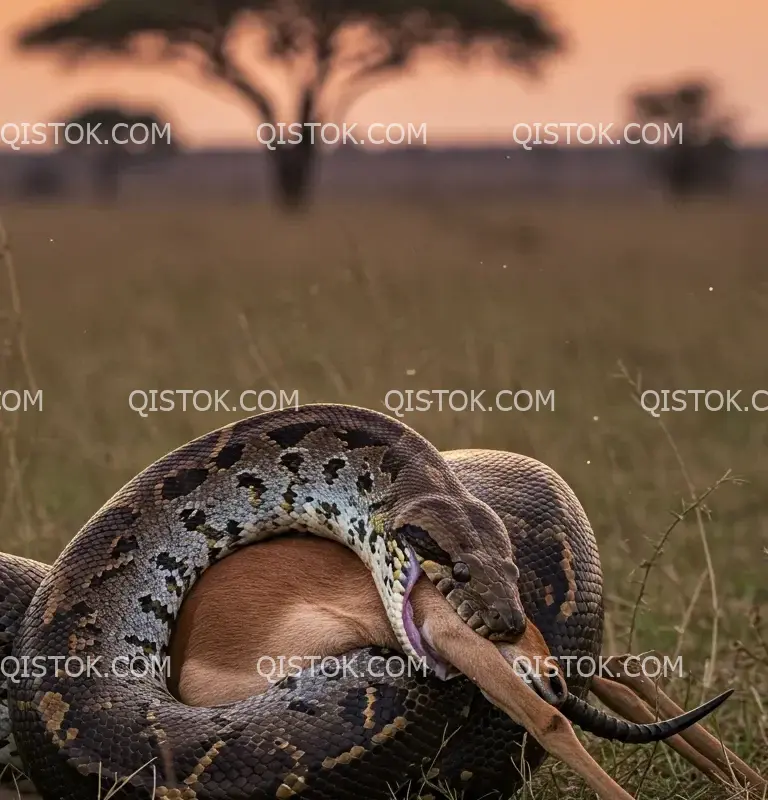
705, 158
117, 148
331, 51
41, 181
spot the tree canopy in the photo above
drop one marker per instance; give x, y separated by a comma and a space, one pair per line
114, 151
702, 159
331, 51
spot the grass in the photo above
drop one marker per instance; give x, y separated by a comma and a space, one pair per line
594, 301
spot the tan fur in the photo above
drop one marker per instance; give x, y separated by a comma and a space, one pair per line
291, 597
262, 602
311, 597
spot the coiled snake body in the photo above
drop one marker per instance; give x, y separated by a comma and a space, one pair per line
519, 536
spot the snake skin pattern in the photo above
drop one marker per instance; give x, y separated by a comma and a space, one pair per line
336, 471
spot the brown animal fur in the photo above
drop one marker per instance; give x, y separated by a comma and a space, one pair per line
305, 596
262, 601
232, 617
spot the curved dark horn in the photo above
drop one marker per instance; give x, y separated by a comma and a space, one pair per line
592, 720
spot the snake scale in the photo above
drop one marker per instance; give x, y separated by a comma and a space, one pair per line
501, 535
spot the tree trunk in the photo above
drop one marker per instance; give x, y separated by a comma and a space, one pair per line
294, 167
682, 170
107, 177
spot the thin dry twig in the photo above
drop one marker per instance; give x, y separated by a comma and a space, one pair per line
683, 626
658, 549
695, 505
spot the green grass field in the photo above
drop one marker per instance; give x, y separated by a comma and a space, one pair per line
353, 302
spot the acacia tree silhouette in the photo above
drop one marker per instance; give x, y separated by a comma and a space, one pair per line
330, 51
704, 158
112, 154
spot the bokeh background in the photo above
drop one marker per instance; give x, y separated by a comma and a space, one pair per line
464, 263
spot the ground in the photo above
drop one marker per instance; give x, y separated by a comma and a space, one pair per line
592, 301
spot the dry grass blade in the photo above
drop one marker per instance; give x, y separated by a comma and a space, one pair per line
696, 507
649, 564
120, 783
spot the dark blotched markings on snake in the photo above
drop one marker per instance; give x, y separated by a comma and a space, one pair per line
500, 535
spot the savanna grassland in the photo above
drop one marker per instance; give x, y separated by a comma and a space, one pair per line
354, 301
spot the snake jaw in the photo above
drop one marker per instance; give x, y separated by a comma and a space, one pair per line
486, 622
414, 636
419, 638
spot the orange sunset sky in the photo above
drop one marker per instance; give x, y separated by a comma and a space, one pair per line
613, 46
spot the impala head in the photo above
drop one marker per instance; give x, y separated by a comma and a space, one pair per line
464, 550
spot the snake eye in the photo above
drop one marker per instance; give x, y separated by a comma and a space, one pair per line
461, 572
423, 544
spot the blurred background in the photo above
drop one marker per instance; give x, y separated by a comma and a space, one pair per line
464, 82
452, 257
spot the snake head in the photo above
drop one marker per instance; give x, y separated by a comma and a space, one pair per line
492, 591
464, 549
